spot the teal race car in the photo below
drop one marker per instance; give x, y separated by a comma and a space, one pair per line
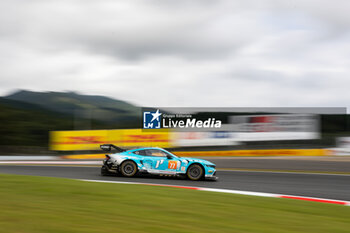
155, 161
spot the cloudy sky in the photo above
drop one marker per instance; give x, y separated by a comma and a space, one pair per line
172, 53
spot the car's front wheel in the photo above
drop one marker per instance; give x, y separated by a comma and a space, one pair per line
128, 168
195, 172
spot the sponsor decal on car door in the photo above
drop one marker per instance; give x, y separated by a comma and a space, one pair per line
172, 164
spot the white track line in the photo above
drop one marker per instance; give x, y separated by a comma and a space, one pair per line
260, 194
286, 172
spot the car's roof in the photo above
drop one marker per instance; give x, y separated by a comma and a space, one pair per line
147, 148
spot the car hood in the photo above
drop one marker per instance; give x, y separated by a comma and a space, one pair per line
203, 161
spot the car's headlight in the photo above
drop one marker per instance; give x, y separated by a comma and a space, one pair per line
213, 166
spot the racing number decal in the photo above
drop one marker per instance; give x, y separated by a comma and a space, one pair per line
172, 164
159, 162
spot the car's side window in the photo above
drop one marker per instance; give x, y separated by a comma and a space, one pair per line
158, 153
151, 152
141, 152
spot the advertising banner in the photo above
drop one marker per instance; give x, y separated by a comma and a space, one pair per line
78, 139
245, 153
275, 127
212, 138
137, 137
343, 146
343, 142
92, 139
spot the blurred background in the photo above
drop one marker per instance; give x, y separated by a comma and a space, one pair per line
70, 123
68, 66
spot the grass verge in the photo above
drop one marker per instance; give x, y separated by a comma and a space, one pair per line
43, 204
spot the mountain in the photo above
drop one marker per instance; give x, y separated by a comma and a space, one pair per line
20, 105
25, 124
27, 117
92, 107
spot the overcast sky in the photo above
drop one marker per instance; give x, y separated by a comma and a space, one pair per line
171, 53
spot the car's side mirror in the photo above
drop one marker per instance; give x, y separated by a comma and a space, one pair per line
169, 156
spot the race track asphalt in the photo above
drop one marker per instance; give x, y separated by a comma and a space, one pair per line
333, 186
317, 164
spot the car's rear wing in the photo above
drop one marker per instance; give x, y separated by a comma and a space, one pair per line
109, 147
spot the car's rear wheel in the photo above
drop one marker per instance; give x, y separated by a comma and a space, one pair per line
128, 168
195, 172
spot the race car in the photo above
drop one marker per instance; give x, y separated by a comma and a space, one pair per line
155, 161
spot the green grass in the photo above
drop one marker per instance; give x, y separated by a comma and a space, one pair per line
42, 204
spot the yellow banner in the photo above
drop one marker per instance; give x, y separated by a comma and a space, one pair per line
92, 139
77, 140
137, 137
233, 153
272, 152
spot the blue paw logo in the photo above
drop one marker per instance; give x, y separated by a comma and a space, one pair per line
151, 120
